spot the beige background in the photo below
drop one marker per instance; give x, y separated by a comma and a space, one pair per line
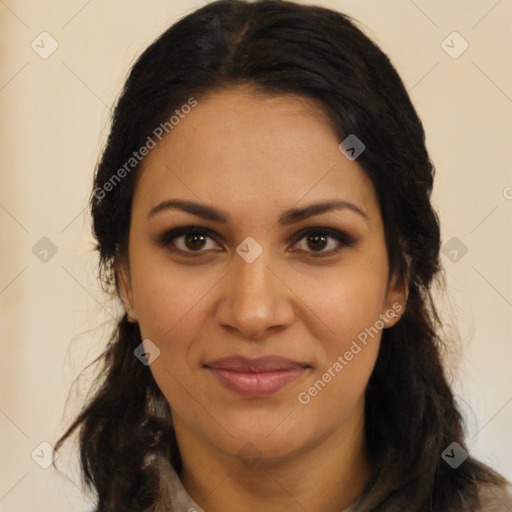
55, 113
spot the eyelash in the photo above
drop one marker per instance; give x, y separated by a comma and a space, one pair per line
167, 237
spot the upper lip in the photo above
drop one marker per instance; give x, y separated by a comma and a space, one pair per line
260, 364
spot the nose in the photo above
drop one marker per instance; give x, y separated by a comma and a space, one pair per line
255, 300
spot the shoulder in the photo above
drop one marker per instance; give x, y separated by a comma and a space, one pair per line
496, 498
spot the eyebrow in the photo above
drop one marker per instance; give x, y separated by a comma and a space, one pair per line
288, 217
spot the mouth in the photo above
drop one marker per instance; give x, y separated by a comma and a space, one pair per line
256, 377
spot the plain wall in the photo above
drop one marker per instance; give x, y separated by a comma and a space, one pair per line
55, 115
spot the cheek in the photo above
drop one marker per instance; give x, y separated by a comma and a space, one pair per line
347, 357
168, 299
345, 300
171, 310
347, 305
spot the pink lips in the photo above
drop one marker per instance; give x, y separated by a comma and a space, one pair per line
256, 377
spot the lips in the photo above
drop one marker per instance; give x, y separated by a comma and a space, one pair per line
261, 364
256, 377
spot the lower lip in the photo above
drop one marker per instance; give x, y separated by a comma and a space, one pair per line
256, 384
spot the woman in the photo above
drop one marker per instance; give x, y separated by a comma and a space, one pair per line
262, 208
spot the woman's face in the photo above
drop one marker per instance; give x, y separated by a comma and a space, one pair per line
268, 328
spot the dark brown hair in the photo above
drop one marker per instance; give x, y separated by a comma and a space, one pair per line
279, 47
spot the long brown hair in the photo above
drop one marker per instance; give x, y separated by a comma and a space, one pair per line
281, 47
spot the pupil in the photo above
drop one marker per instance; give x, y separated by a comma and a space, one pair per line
316, 241
194, 241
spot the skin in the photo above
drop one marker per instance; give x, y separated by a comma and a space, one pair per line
254, 156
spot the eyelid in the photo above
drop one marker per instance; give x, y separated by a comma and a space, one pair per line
330, 232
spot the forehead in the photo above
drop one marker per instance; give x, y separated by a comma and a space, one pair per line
238, 147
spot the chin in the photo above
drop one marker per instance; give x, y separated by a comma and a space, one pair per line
251, 450
260, 440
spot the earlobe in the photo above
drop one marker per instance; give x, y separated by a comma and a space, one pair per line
395, 302
392, 315
124, 289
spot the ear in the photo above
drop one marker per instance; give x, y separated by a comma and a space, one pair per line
124, 287
396, 299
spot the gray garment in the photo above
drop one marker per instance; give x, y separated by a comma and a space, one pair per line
174, 497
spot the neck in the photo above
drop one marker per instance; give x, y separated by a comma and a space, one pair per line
327, 478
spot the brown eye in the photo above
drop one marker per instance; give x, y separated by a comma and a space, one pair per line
322, 241
188, 240
194, 241
316, 242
